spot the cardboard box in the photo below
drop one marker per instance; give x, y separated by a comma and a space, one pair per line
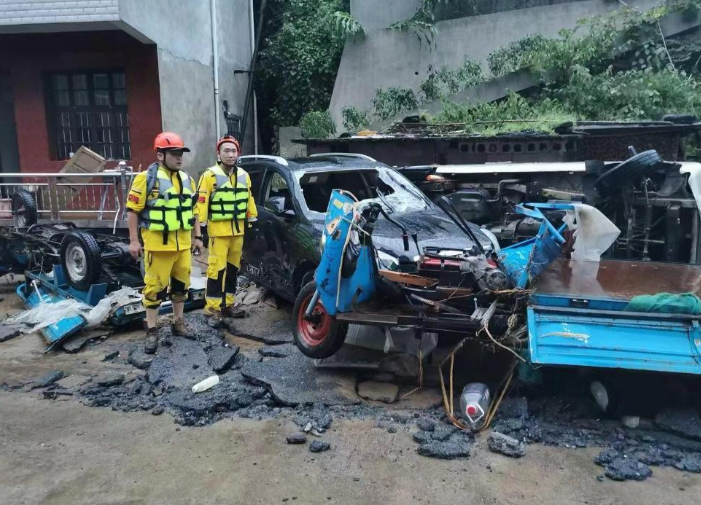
84, 161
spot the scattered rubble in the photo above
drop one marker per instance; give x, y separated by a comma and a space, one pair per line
684, 422
297, 439
295, 380
48, 379
506, 445
319, 446
317, 418
10, 331
444, 441
109, 380
627, 454
620, 467
222, 358
277, 351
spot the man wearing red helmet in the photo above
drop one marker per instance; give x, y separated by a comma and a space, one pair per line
226, 203
161, 205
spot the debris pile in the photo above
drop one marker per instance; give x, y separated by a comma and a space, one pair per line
443, 441
179, 364
673, 441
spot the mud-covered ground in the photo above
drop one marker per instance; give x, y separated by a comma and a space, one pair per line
111, 425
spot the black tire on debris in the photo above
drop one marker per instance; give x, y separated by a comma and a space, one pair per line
329, 334
624, 173
81, 259
680, 118
24, 208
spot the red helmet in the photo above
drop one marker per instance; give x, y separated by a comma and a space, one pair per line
229, 138
169, 140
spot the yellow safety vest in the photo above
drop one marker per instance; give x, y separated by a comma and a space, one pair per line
171, 210
228, 202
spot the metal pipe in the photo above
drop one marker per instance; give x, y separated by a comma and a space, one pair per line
251, 70
255, 98
215, 66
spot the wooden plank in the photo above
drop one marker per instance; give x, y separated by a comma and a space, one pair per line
410, 279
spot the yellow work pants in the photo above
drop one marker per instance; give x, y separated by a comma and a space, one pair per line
163, 269
222, 270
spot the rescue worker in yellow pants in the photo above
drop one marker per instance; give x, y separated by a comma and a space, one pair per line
226, 203
161, 205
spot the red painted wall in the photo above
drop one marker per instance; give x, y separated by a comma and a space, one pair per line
29, 56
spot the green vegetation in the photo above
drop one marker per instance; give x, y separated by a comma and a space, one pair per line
354, 119
317, 125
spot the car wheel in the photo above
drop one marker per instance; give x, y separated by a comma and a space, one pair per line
637, 166
680, 118
81, 259
321, 335
24, 208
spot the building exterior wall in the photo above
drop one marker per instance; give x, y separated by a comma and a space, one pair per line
185, 65
34, 55
177, 36
385, 58
13, 12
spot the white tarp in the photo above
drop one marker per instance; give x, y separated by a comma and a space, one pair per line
45, 314
594, 233
694, 171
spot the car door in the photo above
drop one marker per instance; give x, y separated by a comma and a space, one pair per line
253, 249
272, 235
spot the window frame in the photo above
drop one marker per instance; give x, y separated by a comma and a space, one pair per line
119, 142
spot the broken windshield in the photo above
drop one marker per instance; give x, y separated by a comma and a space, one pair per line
390, 189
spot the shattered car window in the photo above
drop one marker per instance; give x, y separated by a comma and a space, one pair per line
391, 190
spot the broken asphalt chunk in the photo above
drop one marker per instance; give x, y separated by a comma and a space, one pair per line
506, 445
222, 358
9, 331
296, 439
139, 359
319, 446
109, 380
48, 379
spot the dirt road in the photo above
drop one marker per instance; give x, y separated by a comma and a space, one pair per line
65, 453
62, 452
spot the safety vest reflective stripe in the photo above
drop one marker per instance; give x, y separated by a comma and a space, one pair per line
171, 210
228, 202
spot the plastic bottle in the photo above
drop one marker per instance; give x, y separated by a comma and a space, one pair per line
209, 382
474, 402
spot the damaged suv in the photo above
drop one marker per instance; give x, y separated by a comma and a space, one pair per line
283, 248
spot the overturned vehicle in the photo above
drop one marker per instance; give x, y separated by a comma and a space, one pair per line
548, 300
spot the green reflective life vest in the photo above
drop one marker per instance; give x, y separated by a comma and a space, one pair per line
171, 210
228, 202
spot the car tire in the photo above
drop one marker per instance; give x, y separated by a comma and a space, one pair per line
680, 118
24, 208
323, 336
81, 259
637, 166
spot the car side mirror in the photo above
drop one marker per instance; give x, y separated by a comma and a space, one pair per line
276, 205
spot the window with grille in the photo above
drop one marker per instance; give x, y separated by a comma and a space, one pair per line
90, 109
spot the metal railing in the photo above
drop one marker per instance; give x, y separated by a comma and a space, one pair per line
87, 199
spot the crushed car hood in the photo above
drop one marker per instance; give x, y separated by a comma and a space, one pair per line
433, 229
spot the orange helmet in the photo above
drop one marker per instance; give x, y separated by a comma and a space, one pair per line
229, 138
168, 140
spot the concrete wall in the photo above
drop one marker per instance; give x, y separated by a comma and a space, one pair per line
379, 14
387, 58
185, 65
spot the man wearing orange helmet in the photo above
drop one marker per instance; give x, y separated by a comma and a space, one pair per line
161, 205
226, 203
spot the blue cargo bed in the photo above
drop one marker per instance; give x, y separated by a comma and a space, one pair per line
577, 317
